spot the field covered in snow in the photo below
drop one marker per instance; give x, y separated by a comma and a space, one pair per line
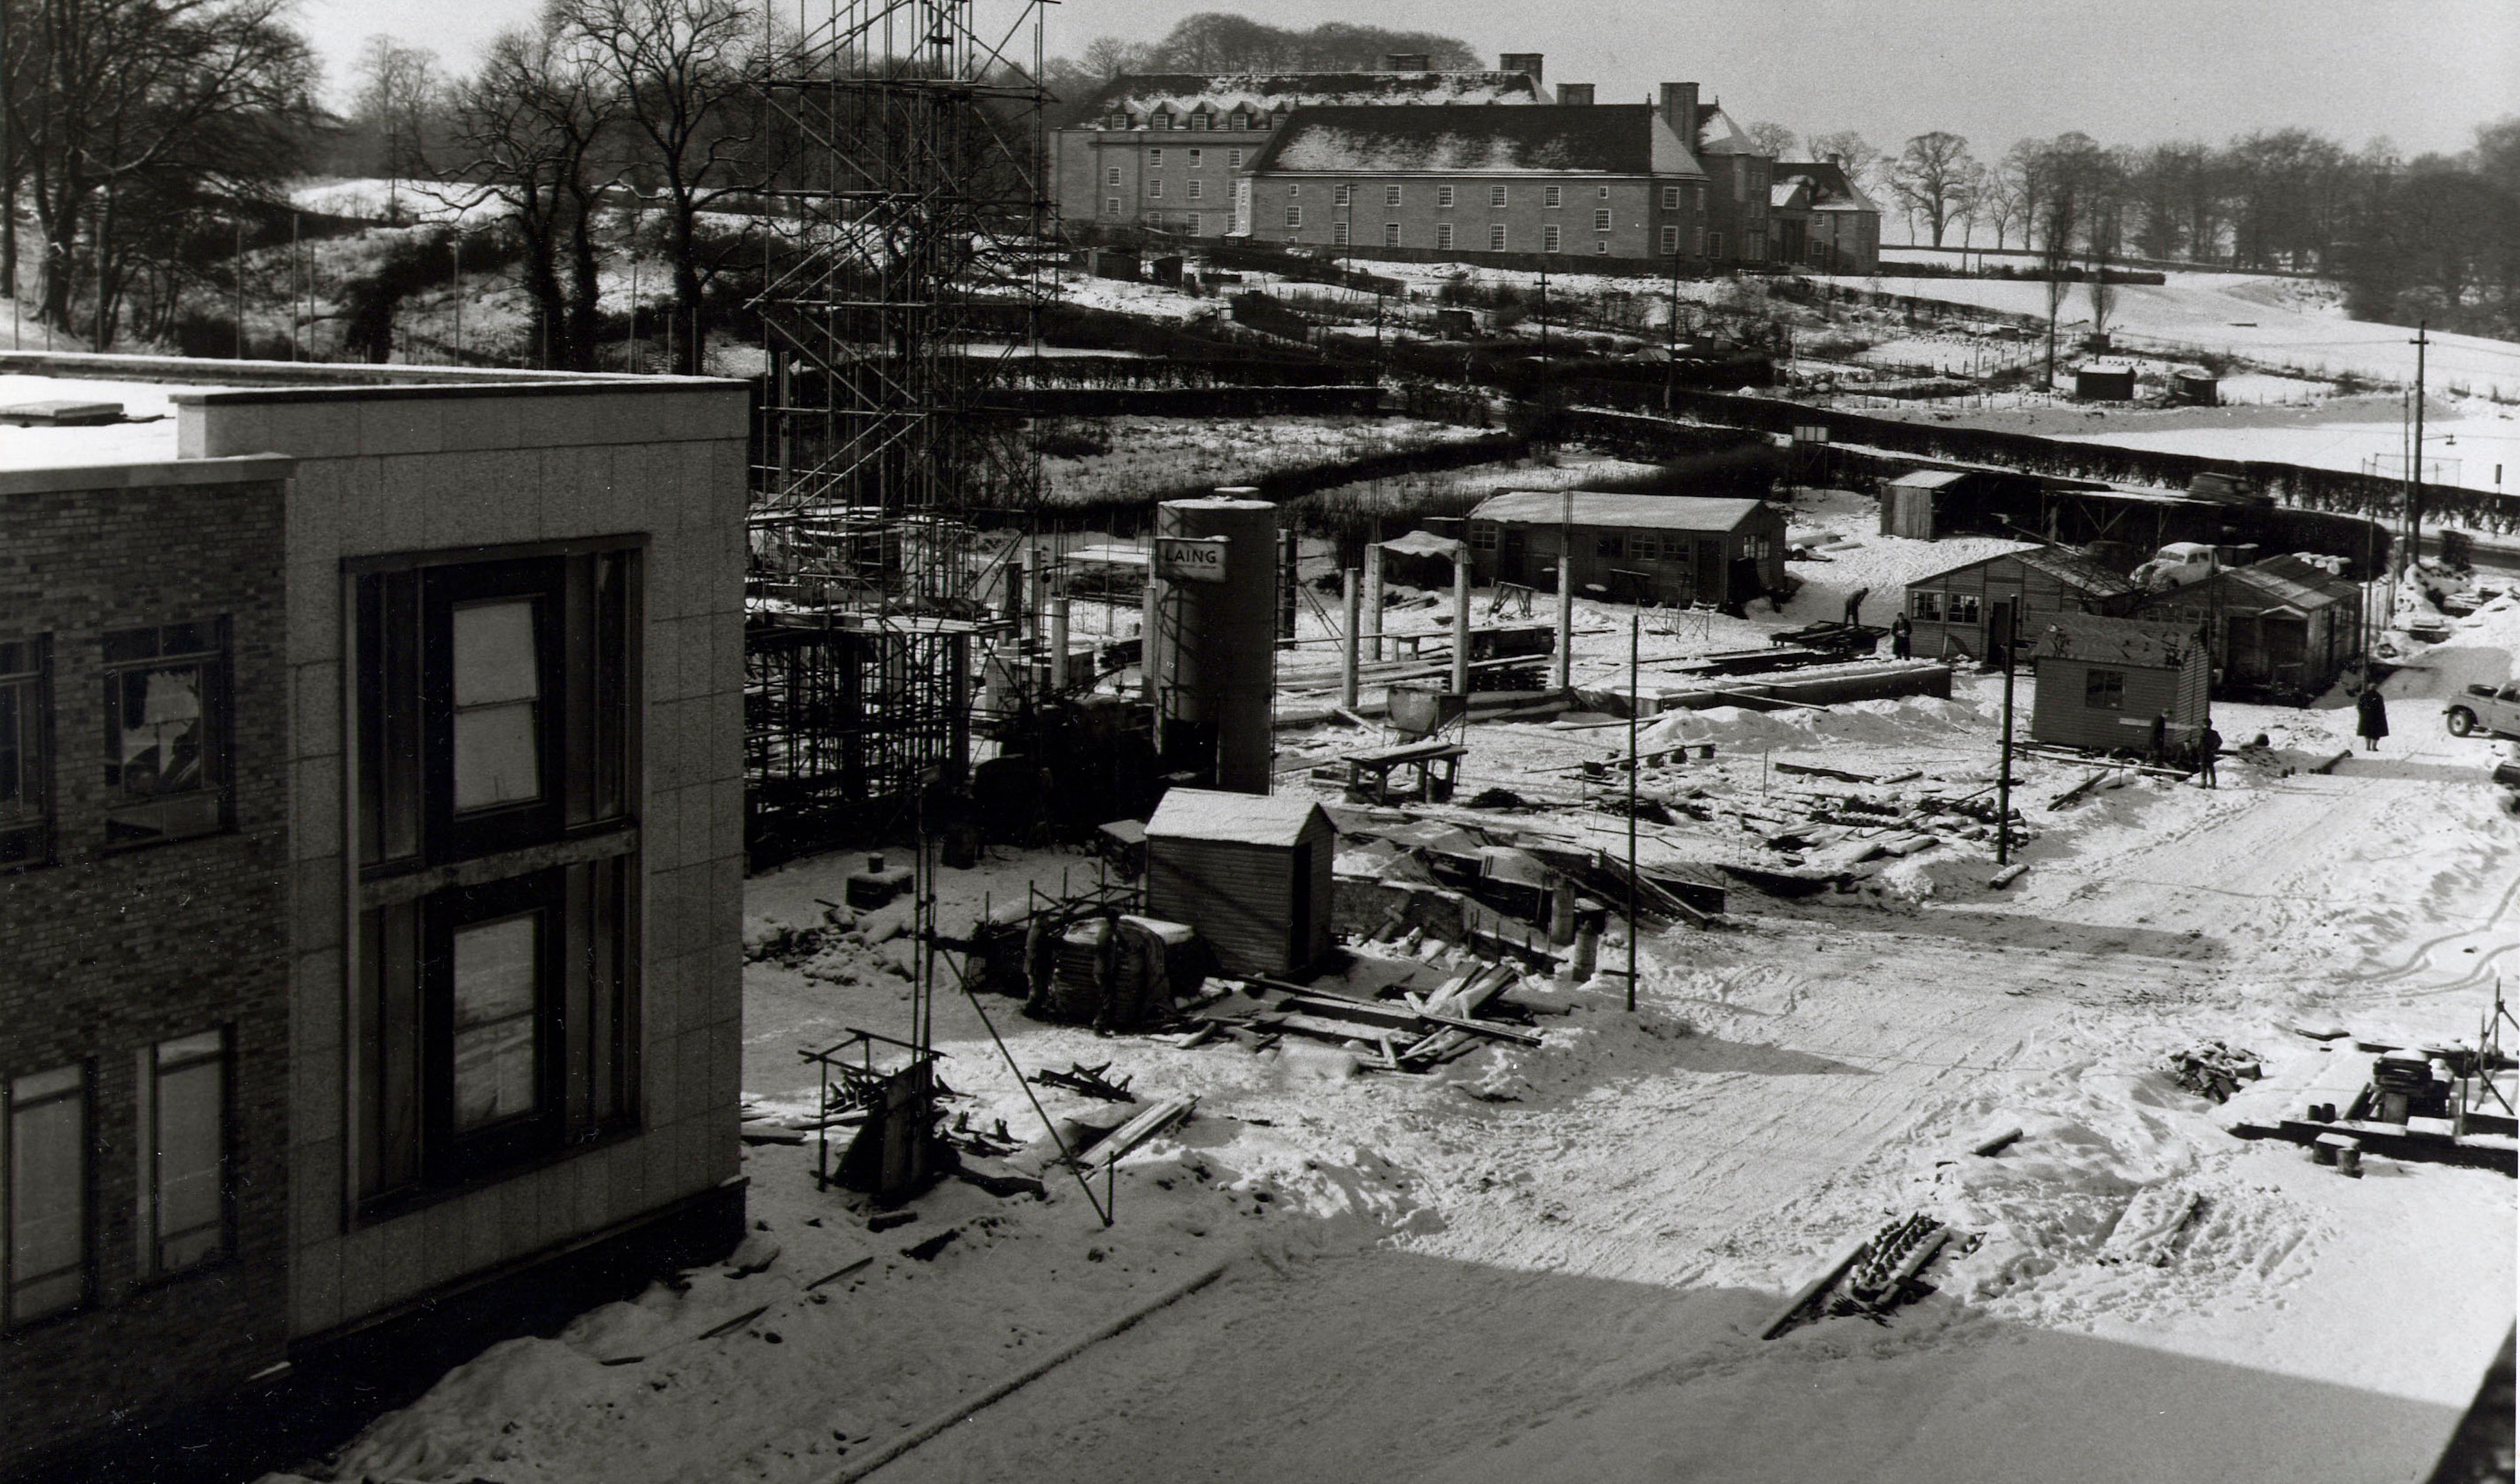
2276, 322
1555, 1263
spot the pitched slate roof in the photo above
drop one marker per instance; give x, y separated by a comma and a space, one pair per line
1237, 819
1672, 513
1262, 91
1831, 190
2116, 641
1605, 139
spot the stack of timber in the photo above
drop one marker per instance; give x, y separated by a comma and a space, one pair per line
1874, 1277
1406, 1032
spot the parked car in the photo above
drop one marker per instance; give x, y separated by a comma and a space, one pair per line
2485, 708
2178, 564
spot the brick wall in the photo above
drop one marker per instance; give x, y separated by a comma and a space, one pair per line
1634, 203
101, 955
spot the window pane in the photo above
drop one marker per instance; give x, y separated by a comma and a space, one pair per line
494, 654
192, 1156
47, 1200
155, 730
496, 979
496, 759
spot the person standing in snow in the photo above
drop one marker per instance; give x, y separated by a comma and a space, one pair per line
1901, 637
1854, 606
2155, 748
2209, 743
2372, 713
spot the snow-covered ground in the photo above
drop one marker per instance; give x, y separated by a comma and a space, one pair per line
1554, 1263
2283, 323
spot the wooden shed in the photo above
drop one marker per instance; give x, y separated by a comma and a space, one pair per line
2101, 682
1908, 502
1949, 609
2104, 381
2281, 627
1667, 549
1251, 872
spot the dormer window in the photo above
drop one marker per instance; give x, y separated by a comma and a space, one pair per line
1241, 120
1119, 120
1160, 120
1199, 123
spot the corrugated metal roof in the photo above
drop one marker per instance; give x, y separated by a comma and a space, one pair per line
2116, 641
1679, 513
1608, 139
1237, 819
1930, 478
2077, 571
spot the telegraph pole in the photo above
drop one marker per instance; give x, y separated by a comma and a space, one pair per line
2011, 627
2415, 465
1636, 765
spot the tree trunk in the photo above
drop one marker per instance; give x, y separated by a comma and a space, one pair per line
691, 348
584, 286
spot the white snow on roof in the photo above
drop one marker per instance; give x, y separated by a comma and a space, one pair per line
147, 436
1687, 512
1239, 819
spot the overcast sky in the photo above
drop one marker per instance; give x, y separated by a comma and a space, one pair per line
2422, 72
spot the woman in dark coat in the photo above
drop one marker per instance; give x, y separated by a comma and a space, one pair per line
2373, 718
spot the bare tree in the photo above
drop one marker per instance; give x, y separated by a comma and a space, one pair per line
683, 73
1774, 140
399, 87
134, 106
1848, 150
1995, 198
1932, 178
528, 123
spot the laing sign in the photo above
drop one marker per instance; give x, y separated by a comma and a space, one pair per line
1199, 559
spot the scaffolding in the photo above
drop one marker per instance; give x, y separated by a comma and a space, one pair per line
905, 238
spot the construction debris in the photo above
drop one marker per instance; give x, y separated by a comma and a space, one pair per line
1088, 1080
1874, 1277
2215, 1070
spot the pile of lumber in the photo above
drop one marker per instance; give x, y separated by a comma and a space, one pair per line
1875, 1276
1404, 1032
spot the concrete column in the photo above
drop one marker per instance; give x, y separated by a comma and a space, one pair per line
1348, 639
1150, 603
1059, 643
1289, 578
1561, 912
1374, 601
1461, 621
1562, 667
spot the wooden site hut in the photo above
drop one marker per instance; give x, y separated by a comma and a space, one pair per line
1665, 549
1250, 873
2279, 627
1949, 610
2101, 682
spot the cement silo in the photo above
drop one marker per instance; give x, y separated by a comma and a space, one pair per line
1216, 653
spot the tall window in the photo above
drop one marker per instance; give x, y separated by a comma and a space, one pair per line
1391, 196
1602, 221
1110, 206
1443, 195
1671, 198
1341, 194
165, 732
495, 720
1111, 175
1197, 189
43, 1199
185, 1193
1444, 236
1496, 237
26, 767
1198, 224
1549, 237
1391, 233
1197, 158
1295, 217
1714, 244
2104, 690
1552, 195
1155, 190
1670, 239
1496, 196
1234, 159
1338, 233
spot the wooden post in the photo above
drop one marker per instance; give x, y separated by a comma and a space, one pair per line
1562, 672
1373, 598
1059, 615
1636, 765
1462, 620
1348, 639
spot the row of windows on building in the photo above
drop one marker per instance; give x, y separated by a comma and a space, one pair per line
185, 1215
1198, 120
1500, 194
163, 713
1499, 238
1634, 545
1197, 158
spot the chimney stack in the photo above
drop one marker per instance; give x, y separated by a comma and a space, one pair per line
1520, 62
1575, 94
1680, 111
1405, 61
